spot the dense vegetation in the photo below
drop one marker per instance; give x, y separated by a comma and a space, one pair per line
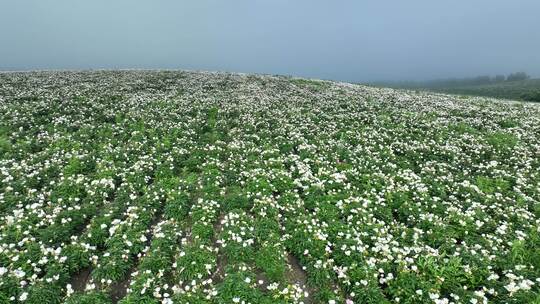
180, 187
526, 90
517, 86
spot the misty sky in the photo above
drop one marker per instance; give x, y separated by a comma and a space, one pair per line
352, 40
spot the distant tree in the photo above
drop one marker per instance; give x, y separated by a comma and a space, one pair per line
500, 78
481, 80
517, 76
531, 96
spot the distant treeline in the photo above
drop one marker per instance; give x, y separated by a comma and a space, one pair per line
461, 82
517, 86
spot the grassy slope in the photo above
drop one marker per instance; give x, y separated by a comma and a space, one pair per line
521, 90
528, 90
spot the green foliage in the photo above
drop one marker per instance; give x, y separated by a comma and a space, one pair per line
93, 297
502, 140
271, 260
236, 199
44, 294
316, 85
508, 123
138, 299
235, 285
194, 260
5, 146
533, 95
177, 206
519, 89
462, 128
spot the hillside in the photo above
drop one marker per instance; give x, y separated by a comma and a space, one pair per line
525, 90
194, 187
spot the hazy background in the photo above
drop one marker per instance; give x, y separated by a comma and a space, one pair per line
345, 40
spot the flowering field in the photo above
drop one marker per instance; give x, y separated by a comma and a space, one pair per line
183, 187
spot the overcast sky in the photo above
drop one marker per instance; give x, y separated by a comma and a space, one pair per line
352, 40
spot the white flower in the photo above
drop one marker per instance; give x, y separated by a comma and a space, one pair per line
23, 296
512, 287
19, 273
69, 290
91, 286
526, 284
